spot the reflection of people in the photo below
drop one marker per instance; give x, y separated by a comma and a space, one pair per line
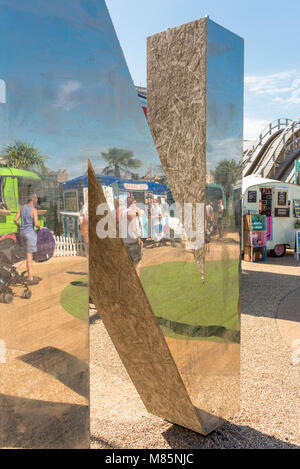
118, 208
28, 236
220, 214
210, 210
84, 222
156, 216
132, 239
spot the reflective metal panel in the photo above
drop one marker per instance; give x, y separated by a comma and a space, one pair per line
195, 108
224, 136
49, 127
129, 231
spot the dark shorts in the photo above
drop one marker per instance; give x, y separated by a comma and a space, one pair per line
135, 252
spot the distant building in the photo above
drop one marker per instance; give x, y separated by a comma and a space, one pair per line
56, 177
142, 94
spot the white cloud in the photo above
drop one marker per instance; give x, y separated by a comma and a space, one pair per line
282, 88
253, 127
65, 95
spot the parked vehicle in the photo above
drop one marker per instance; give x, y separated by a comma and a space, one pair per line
280, 202
16, 185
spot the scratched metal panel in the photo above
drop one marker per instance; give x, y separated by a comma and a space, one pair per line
195, 109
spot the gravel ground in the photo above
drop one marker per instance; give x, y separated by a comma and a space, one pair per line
269, 415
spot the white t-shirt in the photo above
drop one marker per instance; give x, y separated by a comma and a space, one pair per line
220, 209
129, 230
209, 210
155, 213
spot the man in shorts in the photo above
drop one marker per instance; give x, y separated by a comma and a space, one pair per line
28, 236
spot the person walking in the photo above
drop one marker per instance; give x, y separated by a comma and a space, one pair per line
220, 214
156, 217
28, 236
130, 231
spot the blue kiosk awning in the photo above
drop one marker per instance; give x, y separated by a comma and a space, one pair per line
126, 185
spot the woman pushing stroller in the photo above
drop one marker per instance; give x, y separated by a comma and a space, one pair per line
28, 236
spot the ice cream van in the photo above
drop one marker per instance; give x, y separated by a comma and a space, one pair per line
280, 202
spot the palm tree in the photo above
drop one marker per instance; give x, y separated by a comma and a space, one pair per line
118, 160
226, 174
23, 156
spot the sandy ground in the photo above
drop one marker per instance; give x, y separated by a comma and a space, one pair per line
44, 378
270, 364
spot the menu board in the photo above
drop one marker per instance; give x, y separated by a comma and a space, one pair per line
266, 201
282, 212
282, 198
252, 197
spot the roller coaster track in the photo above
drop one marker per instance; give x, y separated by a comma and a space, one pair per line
254, 155
274, 152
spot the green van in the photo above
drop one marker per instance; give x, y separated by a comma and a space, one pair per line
16, 186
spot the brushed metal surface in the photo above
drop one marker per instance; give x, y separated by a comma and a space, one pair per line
195, 109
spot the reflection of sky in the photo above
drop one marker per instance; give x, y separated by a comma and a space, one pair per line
224, 95
69, 91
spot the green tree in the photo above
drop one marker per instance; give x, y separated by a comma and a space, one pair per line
118, 160
227, 174
23, 156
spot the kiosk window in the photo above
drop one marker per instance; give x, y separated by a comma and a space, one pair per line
282, 198
252, 197
70, 200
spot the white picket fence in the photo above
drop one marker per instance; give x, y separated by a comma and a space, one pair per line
65, 246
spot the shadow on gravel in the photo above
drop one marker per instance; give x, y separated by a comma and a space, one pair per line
38, 424
230, 436
94, 317
287, 260
263, 292
104, 443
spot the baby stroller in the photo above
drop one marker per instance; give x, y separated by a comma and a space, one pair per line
10, 254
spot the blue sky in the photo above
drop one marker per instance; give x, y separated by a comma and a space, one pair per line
53, 60
68, 89
270, 29
224, 95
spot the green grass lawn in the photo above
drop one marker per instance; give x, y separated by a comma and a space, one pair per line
188, 308
74, 298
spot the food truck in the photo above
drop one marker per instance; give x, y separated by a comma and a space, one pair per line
75, 198
16, 186
280, 203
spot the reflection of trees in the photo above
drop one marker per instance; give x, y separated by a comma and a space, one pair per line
119, 159
23, 156
227, 174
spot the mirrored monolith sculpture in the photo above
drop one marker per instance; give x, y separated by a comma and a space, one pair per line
195, 112
48, 126
163, 223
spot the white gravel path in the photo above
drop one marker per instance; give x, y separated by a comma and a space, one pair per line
270, 410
